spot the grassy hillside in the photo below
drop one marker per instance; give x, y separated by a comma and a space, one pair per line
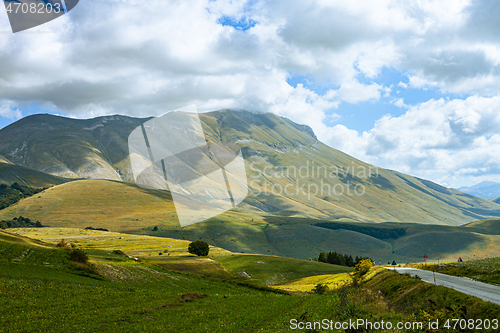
39, 287
272, 270
11, 173
121, 207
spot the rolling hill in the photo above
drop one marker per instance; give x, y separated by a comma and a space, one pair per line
123, 207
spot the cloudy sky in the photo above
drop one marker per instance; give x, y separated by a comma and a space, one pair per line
411, 86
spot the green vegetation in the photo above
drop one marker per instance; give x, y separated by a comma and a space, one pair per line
272, 270
362, 268
380, 233
92, 228
141, 296
341, 259
101, 202
199, 248
484, 270
307, 284
424, 301
22, 222
9, 195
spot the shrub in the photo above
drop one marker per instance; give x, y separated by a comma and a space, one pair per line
361, 269
119, 252
3, 225
320, 289
78, 255
62, 244
199, 247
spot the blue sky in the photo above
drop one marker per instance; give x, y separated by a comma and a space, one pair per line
410, 86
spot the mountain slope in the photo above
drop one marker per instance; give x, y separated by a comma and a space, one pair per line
485, 190
71, 148
11, 173
290, 173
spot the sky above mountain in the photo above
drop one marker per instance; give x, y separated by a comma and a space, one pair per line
410, 86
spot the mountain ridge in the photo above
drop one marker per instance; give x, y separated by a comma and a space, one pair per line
279, 155
485, 190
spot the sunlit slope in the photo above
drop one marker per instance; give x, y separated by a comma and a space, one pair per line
98, 203
13, 238
490, 226
291, 173
11, 173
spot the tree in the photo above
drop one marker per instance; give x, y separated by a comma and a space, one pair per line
320, 288
361, 269
199, 247
3, 225
155, 228
78, 255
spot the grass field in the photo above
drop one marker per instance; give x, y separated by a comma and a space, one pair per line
271, 270
40, 289
484, 270
307, 284
41, 292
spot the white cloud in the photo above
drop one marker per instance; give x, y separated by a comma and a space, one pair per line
457, 138
127, 57
354, 92
10, 110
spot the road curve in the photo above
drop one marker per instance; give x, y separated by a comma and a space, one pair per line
487, 292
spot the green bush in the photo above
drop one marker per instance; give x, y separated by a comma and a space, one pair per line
320, 289
199, 247
78, 255
119, 252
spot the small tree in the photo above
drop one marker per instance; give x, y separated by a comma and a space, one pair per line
62, 243
361, 269
78, 255
3, 225
199, 247
320, 289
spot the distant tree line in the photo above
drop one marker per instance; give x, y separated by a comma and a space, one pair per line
380, 233
9, 195
100, 229
20, 222
341, 259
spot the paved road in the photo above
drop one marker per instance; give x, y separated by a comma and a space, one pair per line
482, 290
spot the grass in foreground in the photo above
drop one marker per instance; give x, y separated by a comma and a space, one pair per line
41, 292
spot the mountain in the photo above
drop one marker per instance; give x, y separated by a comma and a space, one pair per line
485, 190
71, 148
290, 173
